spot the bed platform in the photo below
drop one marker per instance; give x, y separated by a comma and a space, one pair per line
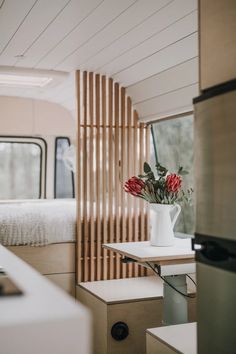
43, 234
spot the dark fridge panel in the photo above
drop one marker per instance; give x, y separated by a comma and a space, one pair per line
216, 310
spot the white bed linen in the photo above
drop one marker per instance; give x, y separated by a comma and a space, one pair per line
37, 223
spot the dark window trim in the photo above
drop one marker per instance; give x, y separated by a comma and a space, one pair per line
41, 195
173, 116
55, 167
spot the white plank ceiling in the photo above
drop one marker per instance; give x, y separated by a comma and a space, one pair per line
149, 46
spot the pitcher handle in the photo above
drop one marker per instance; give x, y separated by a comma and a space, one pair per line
178, 210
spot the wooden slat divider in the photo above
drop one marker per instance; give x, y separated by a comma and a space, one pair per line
85, 173
141, 203
91, 176
117, 175
111, 174
79, 224
123, 174
104, 177
136, 172
109, 134
98, 171
130, 174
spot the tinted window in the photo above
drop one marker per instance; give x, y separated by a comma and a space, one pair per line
20, 170
174, 141
64, 177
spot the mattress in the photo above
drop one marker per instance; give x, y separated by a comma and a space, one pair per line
37, 223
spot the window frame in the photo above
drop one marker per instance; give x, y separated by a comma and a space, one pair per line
55, 167
42, 144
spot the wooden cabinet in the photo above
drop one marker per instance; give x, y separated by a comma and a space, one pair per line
135, 302
217, 42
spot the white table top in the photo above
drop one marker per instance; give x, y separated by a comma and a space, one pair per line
42, 320
144, 252
182, 338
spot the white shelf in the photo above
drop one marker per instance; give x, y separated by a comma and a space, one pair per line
42, 320
181, 338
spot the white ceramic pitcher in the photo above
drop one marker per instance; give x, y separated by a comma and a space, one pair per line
161, 233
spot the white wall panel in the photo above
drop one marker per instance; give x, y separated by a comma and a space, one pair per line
123, 24
104, 15
165, 38
76, 11
160, 20
172, 79
11, 15
172, 103
41, 15
174, 54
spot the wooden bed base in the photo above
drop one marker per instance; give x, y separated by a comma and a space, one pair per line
55, 261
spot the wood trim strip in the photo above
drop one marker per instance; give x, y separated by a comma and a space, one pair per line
136, 171
85, 173
110, 175
117, 176
130, 173
123, 176
104, 177
141, 203
79, 231
98, 190
91, 176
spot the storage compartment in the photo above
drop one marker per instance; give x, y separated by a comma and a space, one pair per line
122, 311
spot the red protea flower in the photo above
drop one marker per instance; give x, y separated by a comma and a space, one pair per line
134, 186
173, 183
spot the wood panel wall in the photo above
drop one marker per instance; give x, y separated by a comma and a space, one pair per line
112, 146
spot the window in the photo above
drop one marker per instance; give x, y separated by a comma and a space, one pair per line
174, 141
64, 177
21, 172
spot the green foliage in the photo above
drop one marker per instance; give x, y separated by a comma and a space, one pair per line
155, 190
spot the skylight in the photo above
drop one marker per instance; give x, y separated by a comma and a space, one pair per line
26, 81
30, 78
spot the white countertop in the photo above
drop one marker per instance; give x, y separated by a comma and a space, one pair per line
144, 252
44, 320
182, 338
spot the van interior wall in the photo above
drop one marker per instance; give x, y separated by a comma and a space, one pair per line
25, 117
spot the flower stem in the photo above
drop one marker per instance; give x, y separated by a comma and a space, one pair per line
154, 144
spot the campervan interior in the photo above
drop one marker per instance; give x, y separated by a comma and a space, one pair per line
117, 176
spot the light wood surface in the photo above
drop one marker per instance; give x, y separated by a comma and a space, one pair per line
136, 301
126, 290
137, 312
109, 136
50, 259
144, 252
66, 281
217, 42
179, 338
79, 178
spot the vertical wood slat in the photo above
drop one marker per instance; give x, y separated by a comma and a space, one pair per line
123, 175
110, 176
141, 203
117, 173
129, 160
115, 133
85, 173
79, 231
98, 199
104, 182
91, 176
136, 172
